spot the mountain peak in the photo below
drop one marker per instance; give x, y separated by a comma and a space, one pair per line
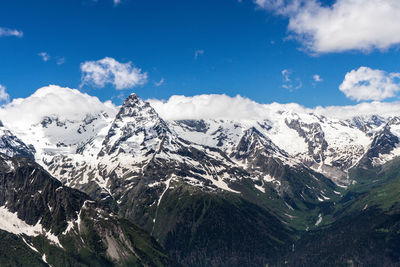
132, 98
134, 126
134, 106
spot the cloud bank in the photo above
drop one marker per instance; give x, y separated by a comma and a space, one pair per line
368, 84
345, 25
240, 108
109, 71
52, 100
71, 104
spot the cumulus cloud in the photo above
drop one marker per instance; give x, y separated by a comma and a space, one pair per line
317, 78
10, 32
4, 97
52, 100
214, 106
290, 83
109, 71
61, 60
45, 56
207, 107
369, 84
344, 25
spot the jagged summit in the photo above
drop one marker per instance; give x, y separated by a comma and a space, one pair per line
136, 127
134, 104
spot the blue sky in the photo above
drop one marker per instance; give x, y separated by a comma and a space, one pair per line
200, 47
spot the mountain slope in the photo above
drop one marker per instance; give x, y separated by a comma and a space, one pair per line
62, 226
11, 145
366, 226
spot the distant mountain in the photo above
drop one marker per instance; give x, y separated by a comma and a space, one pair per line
214, 192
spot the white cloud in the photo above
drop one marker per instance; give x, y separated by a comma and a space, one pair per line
286, 75
4, 97
179, 107
317, 78
363, 109
198, 53
60, 60
345, 25
45, 56
368, 84
207, 107
109, 71
159, 83
290, 83
10, 32
66, 103
62, 102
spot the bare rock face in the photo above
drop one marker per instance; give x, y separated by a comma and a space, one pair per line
382, 147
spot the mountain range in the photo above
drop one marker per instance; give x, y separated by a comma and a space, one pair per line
127, 187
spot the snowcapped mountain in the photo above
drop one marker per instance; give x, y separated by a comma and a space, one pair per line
328, 146
55, 136
141, 166
139, 146
53, 124
105, 154
138, 137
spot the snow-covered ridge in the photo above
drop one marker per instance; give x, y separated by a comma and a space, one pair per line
307, 136
104, 142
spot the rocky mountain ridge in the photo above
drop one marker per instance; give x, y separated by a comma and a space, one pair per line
288, 169
63, 226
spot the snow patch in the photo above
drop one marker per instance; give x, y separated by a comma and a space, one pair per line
29, 245
318, 222
261, 188
11, 223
